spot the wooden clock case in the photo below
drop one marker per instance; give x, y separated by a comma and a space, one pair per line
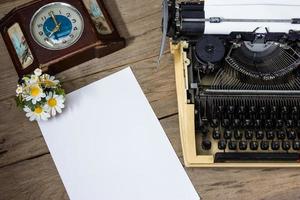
90, 45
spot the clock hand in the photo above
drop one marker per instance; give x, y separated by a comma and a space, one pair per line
53, 17
56, 28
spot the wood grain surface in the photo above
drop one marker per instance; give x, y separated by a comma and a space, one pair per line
26, 167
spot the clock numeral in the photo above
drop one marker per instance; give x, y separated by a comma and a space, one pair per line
68, 14
75, 28
71, 36
74, 20
46, 39
40, 25
59, 11
43, 18
41, 33
64, 41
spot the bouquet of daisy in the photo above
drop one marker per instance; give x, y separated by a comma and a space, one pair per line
40, 96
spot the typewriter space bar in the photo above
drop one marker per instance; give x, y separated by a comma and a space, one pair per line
234, 157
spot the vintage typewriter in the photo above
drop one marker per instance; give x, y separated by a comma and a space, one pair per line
238, 81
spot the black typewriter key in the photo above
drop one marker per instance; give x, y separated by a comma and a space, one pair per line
236, 123
206, 144
264, 145
248, 123
226, 123
231, 110
284, 110
232, 145
279, 123
243, 145
222, 144
238, 135
214, 123
241, 110
290, 123
294, 110
291, 135
259, 135
298, 123
252, 110
227, 134
257, 123
275, 145
281, 135
269, 123
248, 134
286, 145
220, 109
273, 110
216, 134
270, 135
253, 145
296, 145
262, 110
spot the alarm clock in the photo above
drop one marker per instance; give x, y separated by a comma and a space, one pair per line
56, 35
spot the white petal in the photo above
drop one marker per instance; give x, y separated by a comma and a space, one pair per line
53, 112
32, 118
58, 109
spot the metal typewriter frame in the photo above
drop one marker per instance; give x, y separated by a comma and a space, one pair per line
187, 119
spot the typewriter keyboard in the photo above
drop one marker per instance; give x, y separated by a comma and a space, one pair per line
248, 133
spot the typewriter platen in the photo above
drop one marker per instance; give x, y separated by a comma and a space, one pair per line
238, 83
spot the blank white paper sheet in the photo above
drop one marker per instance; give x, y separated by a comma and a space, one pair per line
108, 145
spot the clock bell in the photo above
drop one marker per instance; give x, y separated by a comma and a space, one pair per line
56, 35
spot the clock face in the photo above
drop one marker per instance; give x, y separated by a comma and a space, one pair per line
56, 26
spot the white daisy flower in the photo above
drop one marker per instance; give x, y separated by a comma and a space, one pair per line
19, 90
34, 79
54, 103
35, 94
49, 81
37, 114
38, 72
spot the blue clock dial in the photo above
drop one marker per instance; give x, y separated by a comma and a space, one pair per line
57, 26
64, 30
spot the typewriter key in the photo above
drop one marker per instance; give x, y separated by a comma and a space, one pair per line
243, 145
281, 135
264, 145
291, 135
275, 145
259, 135
270, 135
222, 144
232, 145
253, 145
286, 145
227, 134
296, 145
248, 134
206, 144
216, 135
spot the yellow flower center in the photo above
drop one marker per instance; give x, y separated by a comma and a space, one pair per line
35, 91
52, 102
38, 110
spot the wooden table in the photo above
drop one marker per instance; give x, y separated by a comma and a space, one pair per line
26, 167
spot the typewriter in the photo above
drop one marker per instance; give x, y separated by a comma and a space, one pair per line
238, 81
